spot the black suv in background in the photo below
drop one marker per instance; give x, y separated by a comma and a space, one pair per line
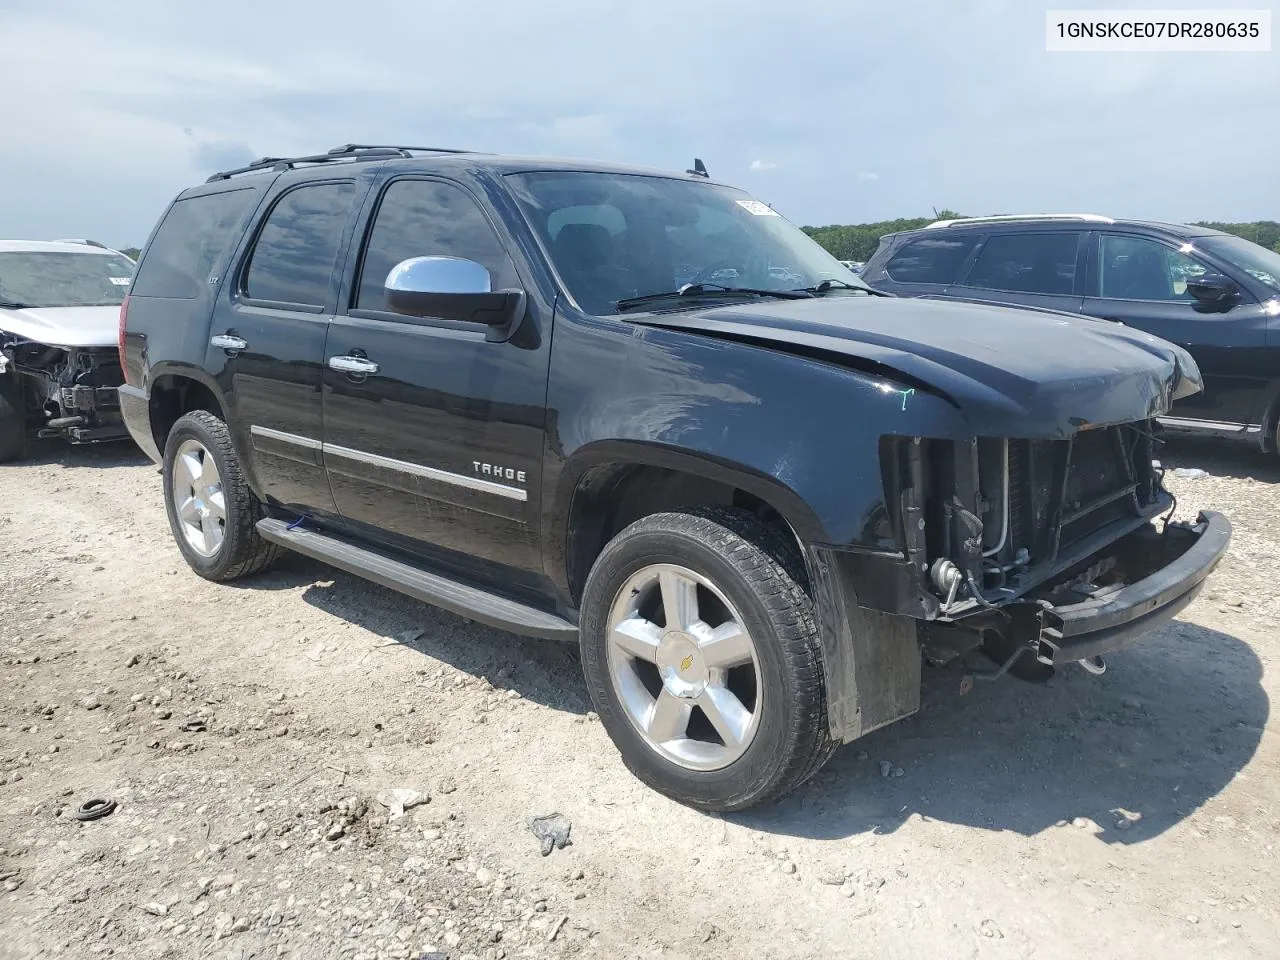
642, 412
1213, 293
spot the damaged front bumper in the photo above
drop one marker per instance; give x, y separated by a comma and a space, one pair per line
84, 414
69, 393
1153, 576
873, 629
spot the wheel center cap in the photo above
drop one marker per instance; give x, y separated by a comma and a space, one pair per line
680, 663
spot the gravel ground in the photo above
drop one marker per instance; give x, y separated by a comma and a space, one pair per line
246, 733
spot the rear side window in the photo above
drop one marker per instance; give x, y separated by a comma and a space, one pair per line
930, 259
189, 243
428, 218
294, 256
1026, 263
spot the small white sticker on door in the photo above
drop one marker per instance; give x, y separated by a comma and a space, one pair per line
757, 208
120, 281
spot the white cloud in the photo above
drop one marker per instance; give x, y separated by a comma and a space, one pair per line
131, 104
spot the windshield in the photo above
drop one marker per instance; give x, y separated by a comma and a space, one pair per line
57, 279
614, 237
1259, 262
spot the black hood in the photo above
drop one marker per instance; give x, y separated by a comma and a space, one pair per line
1011, 371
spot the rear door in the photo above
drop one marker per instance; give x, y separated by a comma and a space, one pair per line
1142, 282
173, 294
436, 449
924, 264
1028, 268
266, 342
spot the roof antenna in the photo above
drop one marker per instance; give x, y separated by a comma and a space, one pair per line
699, 169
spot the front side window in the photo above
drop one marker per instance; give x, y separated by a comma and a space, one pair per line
187, 245
616, 236
1257, 261
293, 259
930, 260
38, 278
1026, 263
1136, 268
428, 218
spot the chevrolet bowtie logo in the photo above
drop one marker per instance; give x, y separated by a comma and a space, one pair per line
686, 663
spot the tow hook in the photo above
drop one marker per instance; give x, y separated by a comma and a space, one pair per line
1095, 665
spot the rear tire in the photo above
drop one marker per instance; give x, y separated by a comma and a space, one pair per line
212, 512
727, 708
13, 419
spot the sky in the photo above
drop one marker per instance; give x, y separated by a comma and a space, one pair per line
834, 112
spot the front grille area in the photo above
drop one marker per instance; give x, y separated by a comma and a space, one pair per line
1006, 511
1062, 491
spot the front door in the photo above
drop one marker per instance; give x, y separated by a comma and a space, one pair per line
433, 436
268, 336
1142, 282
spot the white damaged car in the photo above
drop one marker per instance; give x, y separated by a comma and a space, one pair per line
59, 336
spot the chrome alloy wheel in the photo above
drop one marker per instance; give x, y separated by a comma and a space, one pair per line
684, 667
198, 498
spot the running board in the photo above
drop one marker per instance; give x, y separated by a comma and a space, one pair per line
1214, 428
465, 601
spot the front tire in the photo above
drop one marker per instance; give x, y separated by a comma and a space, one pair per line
702, 658
212, 512
13, 419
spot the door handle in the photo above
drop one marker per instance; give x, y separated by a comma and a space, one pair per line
353, 365
226, 341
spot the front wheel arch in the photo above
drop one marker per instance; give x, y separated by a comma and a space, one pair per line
593, 501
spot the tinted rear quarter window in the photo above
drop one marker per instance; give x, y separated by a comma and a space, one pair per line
294, 255
189, 243
930, 259
1026, 263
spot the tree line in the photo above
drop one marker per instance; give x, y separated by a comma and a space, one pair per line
858, 241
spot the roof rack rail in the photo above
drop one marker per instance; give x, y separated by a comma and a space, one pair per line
1006, 217
348, 147
90, 243
347, 152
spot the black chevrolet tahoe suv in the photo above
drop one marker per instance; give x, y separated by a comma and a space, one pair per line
1212, 293
642, 412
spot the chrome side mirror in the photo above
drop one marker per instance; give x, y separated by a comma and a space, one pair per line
437, 275
450, 288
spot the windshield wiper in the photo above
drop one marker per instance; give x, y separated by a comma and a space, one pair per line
15, 305
827, 285
709, 290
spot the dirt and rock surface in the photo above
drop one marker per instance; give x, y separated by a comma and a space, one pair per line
249, 733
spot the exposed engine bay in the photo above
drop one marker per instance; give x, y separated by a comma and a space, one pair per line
67, 392
1042, 552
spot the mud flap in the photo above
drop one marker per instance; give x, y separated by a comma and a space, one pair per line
872, 659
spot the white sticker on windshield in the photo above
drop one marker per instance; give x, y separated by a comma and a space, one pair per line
120, 281
757, 208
